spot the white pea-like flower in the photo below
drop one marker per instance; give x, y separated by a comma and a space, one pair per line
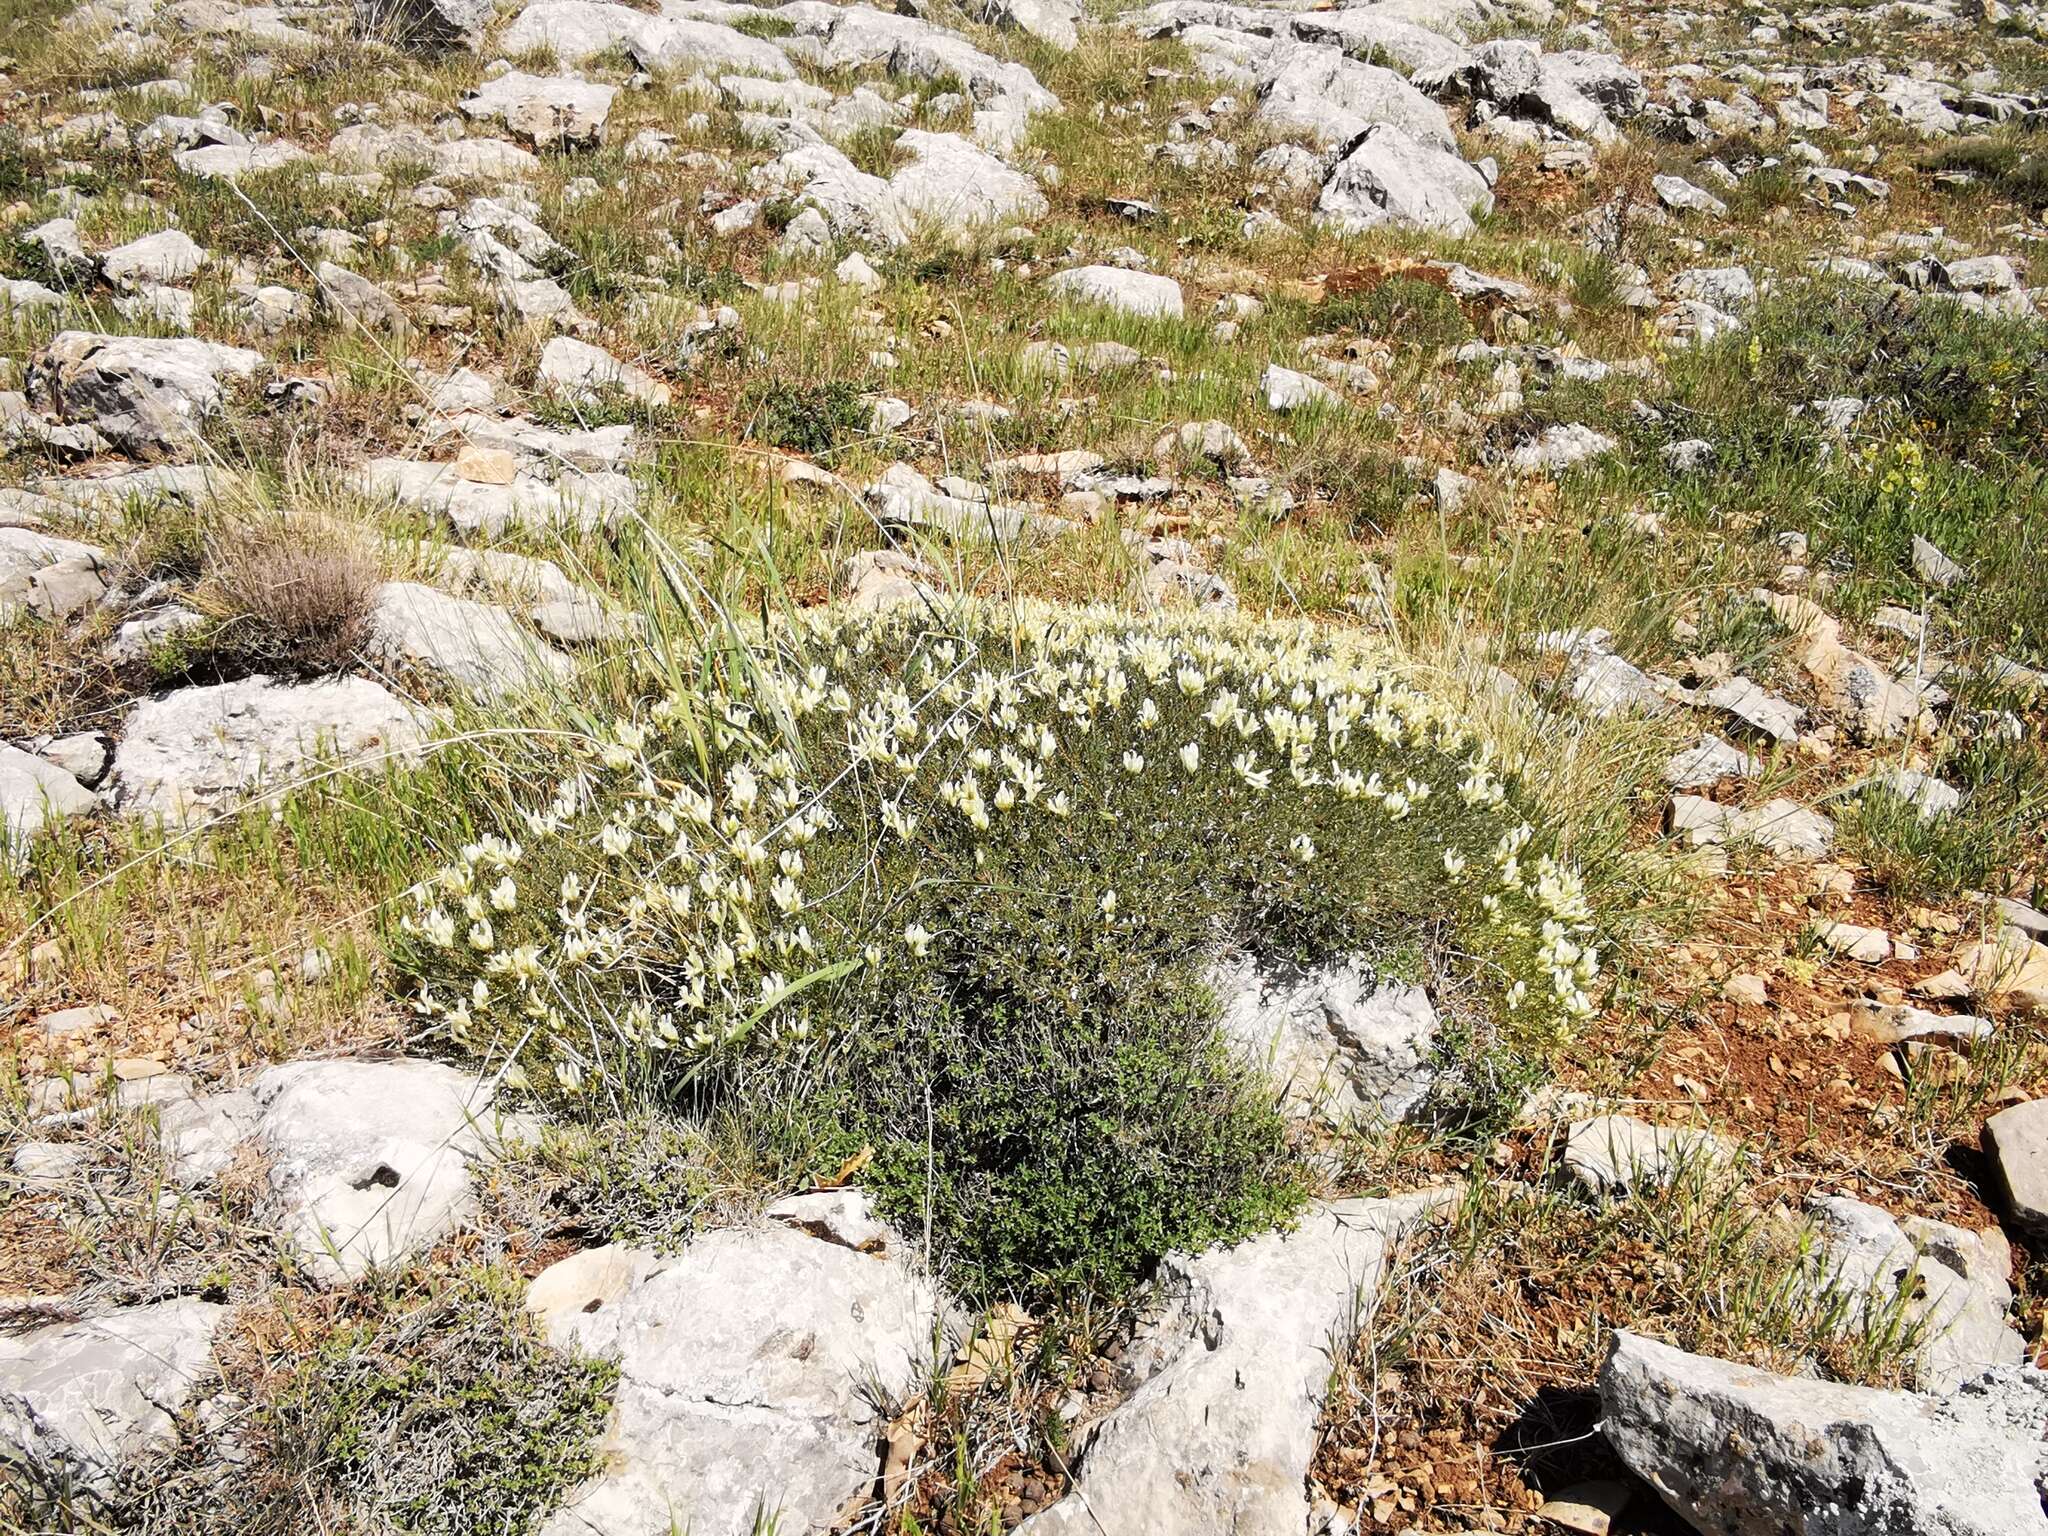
504, 895
742, 788
1303, 848
1191, 756
1134, 762
1107, 905
482, 937
1454, 863
918, 939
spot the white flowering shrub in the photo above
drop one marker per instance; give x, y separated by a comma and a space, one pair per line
970, 869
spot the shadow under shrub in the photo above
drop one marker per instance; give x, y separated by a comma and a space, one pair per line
949, 881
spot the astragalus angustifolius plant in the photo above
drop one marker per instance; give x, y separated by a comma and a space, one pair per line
950, 879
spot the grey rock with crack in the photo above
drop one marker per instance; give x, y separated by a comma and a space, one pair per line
1216, 1435
1736, 1450
749, 1368
369, 1160
1340, 1040
146, 396
81, 1404
197, 751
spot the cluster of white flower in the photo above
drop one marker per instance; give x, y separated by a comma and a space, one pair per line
699, 858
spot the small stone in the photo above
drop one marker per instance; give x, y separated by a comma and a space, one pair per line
1285, 390
1764, 712
486, 466
1872, 946
1929, 795
1614, 1154
1681, 196
856, 272
1591, 1508
2017, 1141
73, 1021
1143, 294
1707, 762
47, 1162
841, 1216
86, 756
584, 1282
1746, 989
1934, 567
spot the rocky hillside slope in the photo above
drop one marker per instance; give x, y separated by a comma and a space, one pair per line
1000, 765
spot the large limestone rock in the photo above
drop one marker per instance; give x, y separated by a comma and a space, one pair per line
485, 508
689, 46
749, 1370
1216, 1438
200, 1133
1143, 294
189, 754
2017, 1141
953, 186
369, 1160
1368, 32
32, 793
548, 112
1956, 1284
1392, 177
1616, 1154
1334, 99
585, 372
355, 300
1875, 703
578, 30
2008, 965
477, 645
370, 146
145, 395
25, 555
168, 256
1050, 21
859, 37
1338, 1039
1735, 1450
81, 1403
1783, 827
429, 24
227, 162
949, 189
